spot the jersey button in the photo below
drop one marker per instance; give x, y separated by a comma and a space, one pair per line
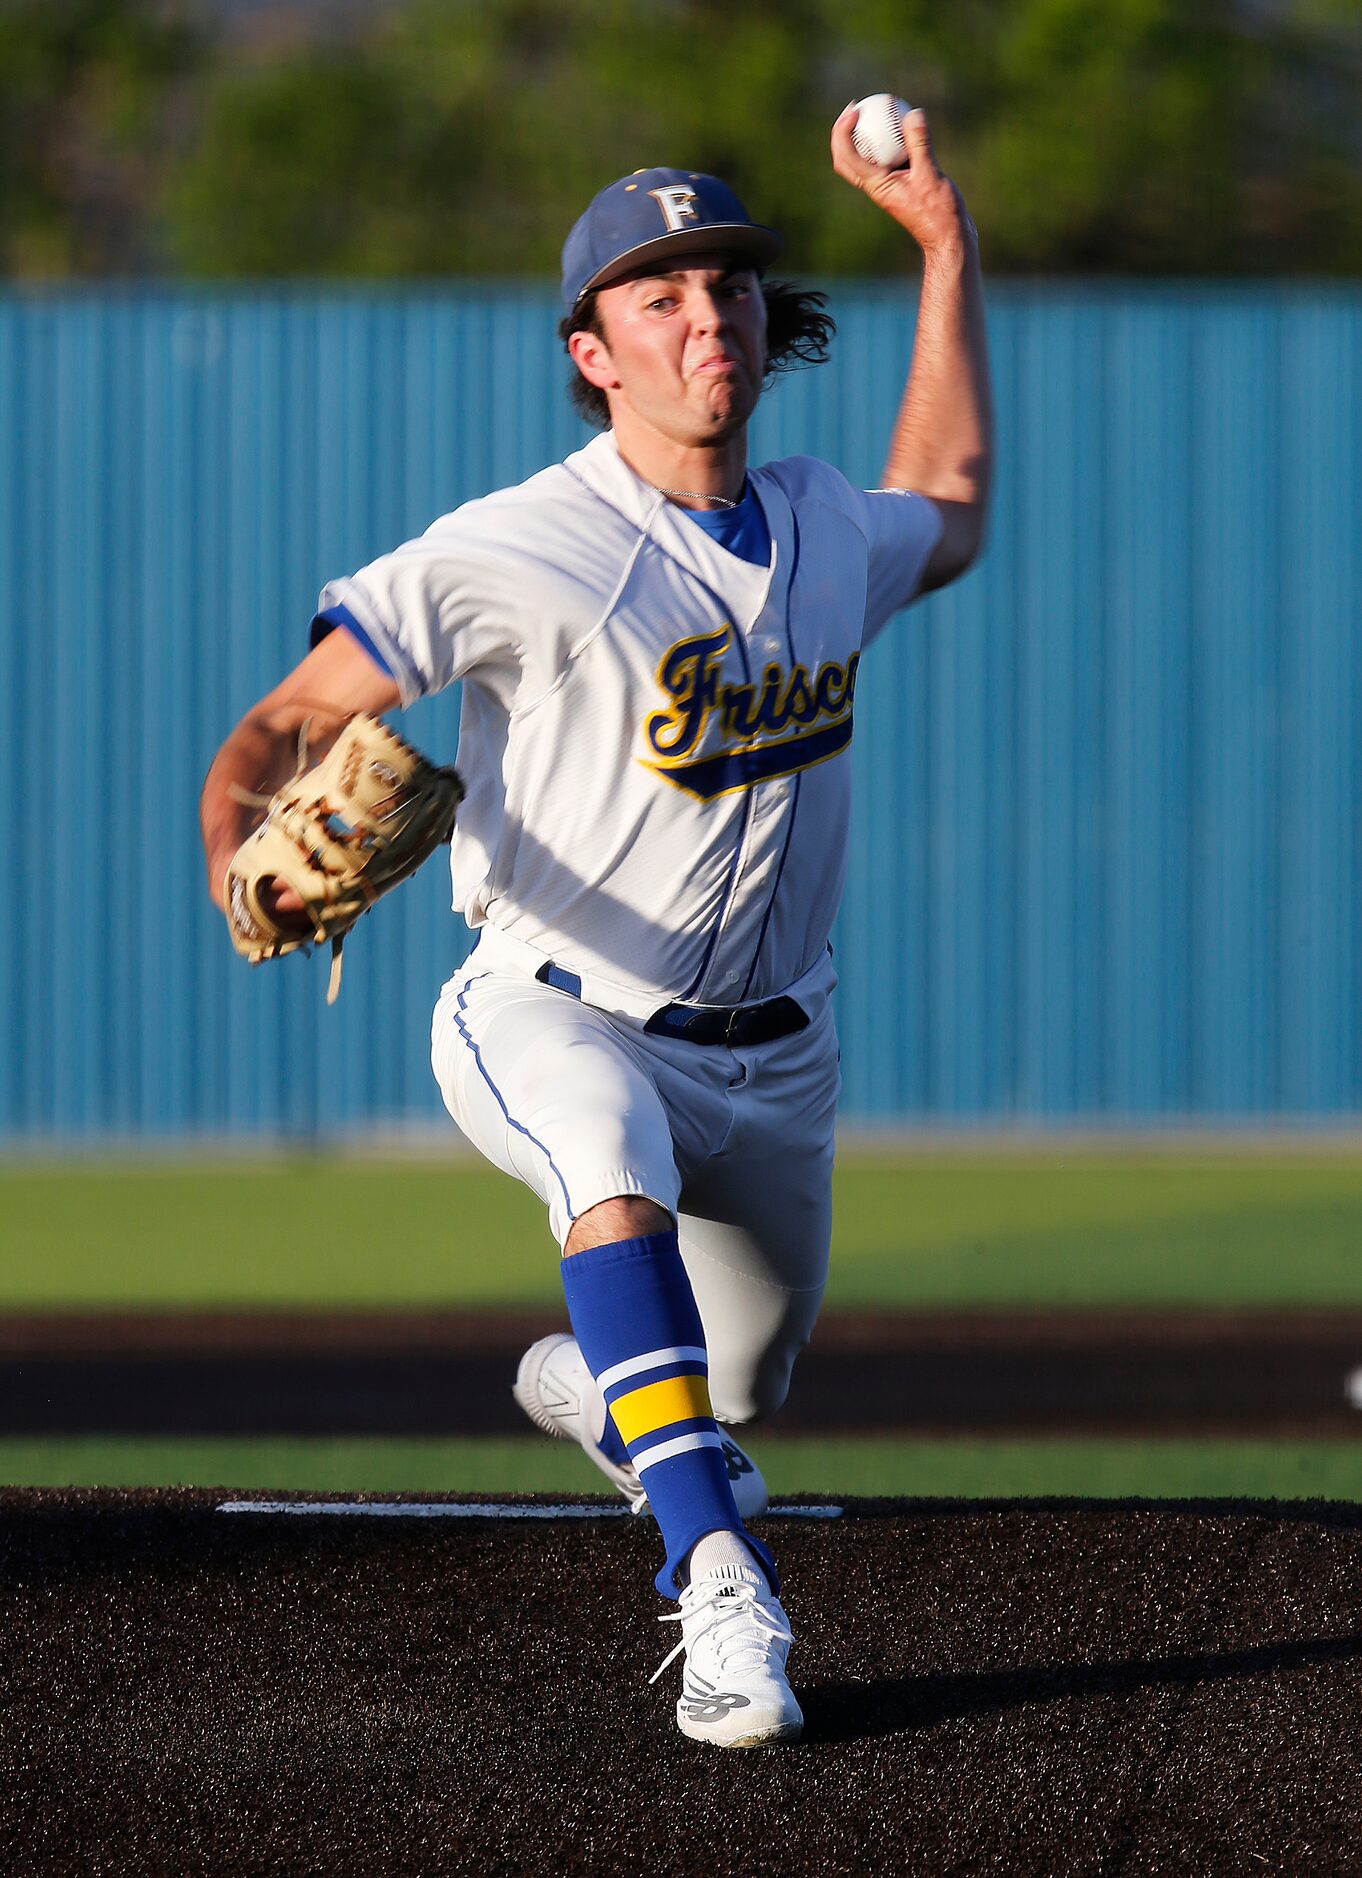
732, 977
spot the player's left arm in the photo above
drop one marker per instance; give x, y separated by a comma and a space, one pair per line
942, 445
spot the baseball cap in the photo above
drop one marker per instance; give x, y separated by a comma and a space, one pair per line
656, 213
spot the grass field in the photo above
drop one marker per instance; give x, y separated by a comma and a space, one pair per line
1059, 1226
1065, 1684
964, 1469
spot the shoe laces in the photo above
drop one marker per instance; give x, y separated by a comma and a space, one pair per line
734, 1612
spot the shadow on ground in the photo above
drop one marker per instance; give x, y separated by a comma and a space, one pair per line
1031, 1686
856, 1711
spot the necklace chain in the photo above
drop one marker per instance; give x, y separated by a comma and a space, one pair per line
699, 495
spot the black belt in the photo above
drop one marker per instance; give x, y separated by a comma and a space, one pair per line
739, 1027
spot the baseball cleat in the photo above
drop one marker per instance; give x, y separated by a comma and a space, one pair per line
736, 1638
558, 1392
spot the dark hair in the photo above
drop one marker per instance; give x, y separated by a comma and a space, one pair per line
798, 332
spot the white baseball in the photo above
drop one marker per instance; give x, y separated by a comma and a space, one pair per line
878, 135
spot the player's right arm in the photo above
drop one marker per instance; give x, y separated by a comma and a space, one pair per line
335, 682
942, 444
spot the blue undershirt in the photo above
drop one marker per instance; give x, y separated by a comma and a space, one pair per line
742, 530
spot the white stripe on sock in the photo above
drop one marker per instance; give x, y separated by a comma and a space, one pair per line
679, 1444
653, 1359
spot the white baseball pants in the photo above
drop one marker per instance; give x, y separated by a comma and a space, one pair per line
737, 1144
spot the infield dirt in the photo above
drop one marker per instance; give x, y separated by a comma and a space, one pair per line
1021, 1687
407, 1373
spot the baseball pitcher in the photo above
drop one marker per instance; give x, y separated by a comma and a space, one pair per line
659, 647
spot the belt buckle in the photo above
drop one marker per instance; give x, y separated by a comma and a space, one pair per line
731, 1026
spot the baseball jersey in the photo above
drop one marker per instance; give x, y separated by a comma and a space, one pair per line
655, 732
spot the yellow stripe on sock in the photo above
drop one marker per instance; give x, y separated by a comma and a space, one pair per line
658, 1405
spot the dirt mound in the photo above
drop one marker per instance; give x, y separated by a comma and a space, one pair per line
1225, 1373
1028, 1687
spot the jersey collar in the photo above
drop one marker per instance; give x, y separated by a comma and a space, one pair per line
752, 592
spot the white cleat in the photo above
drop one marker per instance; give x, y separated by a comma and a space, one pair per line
558, 1392
736, 1638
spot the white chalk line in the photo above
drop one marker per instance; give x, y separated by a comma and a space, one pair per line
472, 1509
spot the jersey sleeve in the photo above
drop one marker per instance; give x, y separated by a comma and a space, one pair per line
901, 528
429, 613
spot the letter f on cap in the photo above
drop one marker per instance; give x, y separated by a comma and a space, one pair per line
677, 204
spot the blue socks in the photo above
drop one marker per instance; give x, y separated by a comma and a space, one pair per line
640, 1334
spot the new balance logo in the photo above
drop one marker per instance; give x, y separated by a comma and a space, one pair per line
738, 1463
717, 1707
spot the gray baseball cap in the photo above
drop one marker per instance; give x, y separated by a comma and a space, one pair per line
654, 214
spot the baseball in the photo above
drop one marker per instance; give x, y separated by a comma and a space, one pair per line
878, 135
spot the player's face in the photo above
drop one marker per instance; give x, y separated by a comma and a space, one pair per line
687, 348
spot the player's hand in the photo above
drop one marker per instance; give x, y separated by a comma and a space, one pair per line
283, 901
283, 904
917, 195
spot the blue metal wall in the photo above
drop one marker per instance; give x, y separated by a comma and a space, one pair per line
1107, 843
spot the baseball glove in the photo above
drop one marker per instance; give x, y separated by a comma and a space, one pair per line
340, 835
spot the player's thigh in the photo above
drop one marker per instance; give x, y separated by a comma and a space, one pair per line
547, 1089
755, 1235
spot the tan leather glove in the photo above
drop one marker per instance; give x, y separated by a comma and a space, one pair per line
340, 835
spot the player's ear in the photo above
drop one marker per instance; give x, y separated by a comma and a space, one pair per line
590, 354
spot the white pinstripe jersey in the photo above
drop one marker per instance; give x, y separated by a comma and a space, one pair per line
654, 732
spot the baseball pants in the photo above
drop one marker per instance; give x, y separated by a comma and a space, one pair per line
736, 1144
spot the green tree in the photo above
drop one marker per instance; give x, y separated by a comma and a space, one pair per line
85, 108
437, 137
1088, 135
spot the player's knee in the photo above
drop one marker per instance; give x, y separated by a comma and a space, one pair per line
750, 1362
748, 1390
627, 1216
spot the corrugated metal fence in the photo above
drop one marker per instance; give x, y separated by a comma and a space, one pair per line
1109, 786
